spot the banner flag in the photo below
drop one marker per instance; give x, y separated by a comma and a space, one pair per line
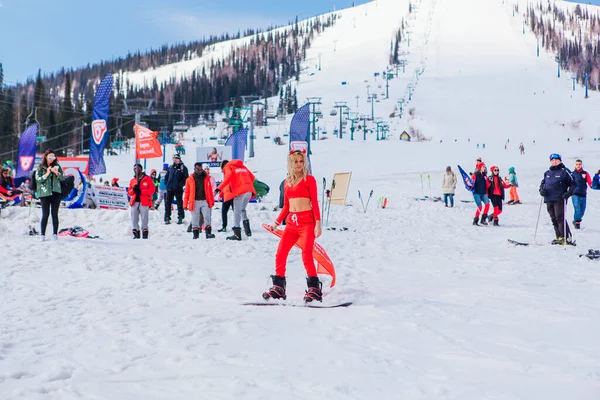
27, 145
100, 126
146, 143
469, 184
300, 130
237, 141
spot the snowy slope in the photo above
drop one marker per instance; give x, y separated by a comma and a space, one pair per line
442, 309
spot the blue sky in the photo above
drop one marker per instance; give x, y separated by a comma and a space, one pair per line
50, 34
597, 2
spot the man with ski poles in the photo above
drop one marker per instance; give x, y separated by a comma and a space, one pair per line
556, 188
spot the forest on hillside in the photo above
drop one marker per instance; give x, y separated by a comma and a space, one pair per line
61, 102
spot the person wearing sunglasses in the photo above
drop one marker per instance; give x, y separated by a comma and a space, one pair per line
496, 193
48, 175
556, 188
480, 189
301, 211
582, 180
237, 184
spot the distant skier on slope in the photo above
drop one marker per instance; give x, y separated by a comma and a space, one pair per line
301, 206
496, 192
480, 188
556, 187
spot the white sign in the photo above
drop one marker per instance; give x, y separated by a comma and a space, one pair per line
111, 198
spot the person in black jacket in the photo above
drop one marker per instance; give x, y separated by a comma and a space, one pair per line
175, 181
556, 188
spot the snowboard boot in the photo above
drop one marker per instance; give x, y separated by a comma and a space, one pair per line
277, 291
314, 290
145, 234
476, 221
223, 229
496, 222
247, 230
189, 228
209, 234
237, 234
136, 234
483, 219
196, 233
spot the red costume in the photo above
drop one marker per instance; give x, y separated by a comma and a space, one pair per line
300, 226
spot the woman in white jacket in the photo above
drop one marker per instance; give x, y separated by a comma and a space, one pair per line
449, 186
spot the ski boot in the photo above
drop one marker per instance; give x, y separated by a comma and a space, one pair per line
237, 234
196, 233
558, 240
209, 234
277, 291
314, 290
247, 230
179, 221
136, 234
483, 219
476, 221
223, 229
145, 234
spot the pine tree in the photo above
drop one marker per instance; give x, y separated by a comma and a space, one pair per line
294, 102
7, 124
66, 126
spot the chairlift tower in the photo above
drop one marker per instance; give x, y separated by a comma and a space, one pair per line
341, 105
313, 102
138, 108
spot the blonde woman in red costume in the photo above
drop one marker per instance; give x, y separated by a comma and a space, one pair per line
303, 225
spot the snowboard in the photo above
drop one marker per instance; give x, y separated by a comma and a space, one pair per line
517, 243
307, 305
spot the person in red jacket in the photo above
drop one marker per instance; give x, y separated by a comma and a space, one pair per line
301, 211
241, 185
496, 192
140, 191
198, 198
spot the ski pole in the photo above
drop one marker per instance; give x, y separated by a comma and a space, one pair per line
565, 222
323, 198
538, 219
429, 181
368, 200
422, 189
361, 201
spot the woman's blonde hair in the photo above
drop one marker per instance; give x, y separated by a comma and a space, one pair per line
292, 179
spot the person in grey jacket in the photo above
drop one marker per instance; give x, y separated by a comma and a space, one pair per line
449, 186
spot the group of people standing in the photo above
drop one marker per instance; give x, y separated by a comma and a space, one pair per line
194, 192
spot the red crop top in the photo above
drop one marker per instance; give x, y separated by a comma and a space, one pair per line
305, 189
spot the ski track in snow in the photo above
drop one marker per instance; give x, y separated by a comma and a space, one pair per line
442, 309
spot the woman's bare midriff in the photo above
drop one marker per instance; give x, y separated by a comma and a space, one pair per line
300, 204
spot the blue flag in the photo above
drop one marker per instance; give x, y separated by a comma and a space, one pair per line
27, 151
469, 184
300, 129
100, 126
237, 141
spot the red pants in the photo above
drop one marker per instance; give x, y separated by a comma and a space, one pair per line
300, 227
